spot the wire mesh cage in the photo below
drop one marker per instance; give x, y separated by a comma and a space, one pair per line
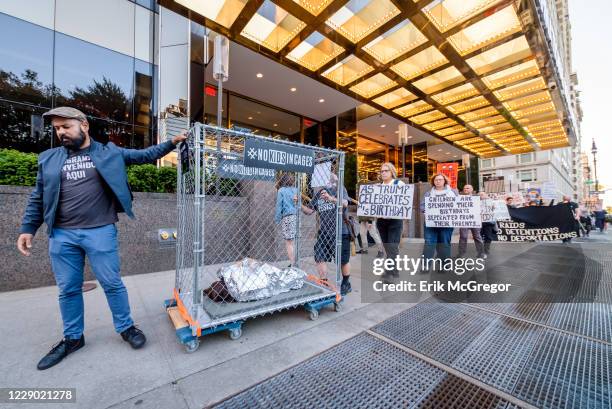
252, 241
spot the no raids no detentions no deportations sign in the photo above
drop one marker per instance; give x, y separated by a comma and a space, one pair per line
273, 155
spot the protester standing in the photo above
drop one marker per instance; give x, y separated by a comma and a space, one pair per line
368, 225
573, 206
464, 232
285, 213
324, 202
390, 230
488, 230
585, 221
600, 220
438, 239
80, 187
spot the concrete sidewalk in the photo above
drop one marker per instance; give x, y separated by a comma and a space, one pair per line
108, 373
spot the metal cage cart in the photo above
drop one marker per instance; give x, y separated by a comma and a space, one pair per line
253, 239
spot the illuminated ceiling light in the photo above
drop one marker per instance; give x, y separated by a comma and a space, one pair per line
293, 89
272, 27
321, 100
357, 18
383, 126
396, 132
275, 125
250, 117
259, 75
215, 10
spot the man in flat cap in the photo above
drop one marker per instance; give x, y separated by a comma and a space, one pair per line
80, 188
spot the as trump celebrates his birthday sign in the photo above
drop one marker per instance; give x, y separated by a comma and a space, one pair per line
388, 201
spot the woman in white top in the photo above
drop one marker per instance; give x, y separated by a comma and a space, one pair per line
438, 239
390, 230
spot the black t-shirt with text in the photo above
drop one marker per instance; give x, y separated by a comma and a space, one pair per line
85, 200
327, 211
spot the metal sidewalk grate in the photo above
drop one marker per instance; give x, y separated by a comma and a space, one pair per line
541, 366
592, 320
440, 331
365, 372
567, 372
453, 392
362, 372
500, 353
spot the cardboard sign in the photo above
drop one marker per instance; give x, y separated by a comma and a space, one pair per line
260, 153
234, 169
493, 210
386, 201
322, 175
534, 193
451, 170
549, 191
452, 211
493, 184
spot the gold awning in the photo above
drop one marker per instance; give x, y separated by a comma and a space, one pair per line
465, 71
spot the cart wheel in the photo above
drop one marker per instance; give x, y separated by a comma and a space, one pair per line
337, 307
235, 333
192, 345
314, 315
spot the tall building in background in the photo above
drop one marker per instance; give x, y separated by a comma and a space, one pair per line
562, 167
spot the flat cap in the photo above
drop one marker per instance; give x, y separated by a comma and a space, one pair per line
66, 112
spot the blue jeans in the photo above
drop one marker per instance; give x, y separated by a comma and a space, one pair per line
438, 239
67, 250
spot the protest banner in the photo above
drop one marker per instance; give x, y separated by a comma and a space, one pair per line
493, 210
451, 170
548, 223
452, 211
261, 153
234, 169
388, 201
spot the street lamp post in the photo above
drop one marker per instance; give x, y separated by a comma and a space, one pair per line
594, 152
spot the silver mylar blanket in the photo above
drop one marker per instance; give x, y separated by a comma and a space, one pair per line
250, 280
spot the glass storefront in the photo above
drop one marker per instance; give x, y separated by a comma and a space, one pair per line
41, 69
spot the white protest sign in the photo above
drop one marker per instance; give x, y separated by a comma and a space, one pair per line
387, 201
549, 191
321, 175
452, 211
493, 210
518, 199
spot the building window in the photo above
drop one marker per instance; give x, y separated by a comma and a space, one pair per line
26, 55
100, 85
525, 158
487, 163
526, 175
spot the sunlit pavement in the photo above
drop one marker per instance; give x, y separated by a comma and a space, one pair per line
530, 352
